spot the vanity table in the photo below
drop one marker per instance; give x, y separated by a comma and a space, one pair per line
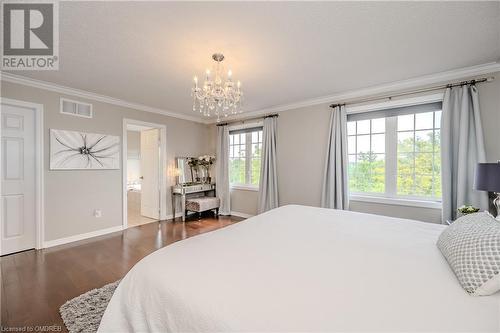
190, 183
181, 191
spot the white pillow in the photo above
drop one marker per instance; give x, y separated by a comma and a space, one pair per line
471, 245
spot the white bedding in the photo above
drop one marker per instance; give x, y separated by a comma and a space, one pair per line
304, 269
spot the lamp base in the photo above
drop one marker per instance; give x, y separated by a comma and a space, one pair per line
496, 203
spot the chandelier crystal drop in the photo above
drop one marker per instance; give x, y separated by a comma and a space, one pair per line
218, 95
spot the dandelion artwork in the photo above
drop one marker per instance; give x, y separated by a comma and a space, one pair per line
70, 150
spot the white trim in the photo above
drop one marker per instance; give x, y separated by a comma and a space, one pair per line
64, 99
239, 214
402, 85
417, 82
430, 98
39, 164
163, 168
397, 201
243, 187
18, 79
75, 238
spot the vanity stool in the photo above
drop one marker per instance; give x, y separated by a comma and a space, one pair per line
203, 204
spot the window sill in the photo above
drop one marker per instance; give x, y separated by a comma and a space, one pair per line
397, 201
245, 187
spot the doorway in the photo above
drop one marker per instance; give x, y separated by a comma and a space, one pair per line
144, 179
21, 153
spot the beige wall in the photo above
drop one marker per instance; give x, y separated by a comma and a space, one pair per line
72, 196
302, 134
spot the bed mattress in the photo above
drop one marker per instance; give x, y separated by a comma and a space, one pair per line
306, 269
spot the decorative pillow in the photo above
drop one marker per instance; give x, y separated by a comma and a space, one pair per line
471, 245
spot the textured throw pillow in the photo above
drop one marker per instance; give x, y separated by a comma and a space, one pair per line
471, 245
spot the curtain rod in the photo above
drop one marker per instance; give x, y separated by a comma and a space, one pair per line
440, 87
249, 119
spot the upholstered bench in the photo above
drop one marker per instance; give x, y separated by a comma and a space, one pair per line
203, 204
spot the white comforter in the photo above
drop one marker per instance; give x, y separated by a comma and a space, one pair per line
305, 269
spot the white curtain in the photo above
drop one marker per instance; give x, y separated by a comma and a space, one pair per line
335, 193
268, 186
222, 170
462, 147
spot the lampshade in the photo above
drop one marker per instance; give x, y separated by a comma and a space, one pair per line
487, 177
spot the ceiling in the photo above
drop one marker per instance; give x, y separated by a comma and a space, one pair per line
283, 52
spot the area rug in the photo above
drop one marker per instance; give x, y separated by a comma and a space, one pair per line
84, 313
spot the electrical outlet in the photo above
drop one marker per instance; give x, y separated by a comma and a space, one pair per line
97, 213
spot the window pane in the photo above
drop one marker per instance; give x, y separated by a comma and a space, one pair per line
437, 141
243, 138
424, 120
378, 125
405, 123
378, 143
352, 158
363, 144
405, 163
405, 183
255, 136
377, 183
423, 185
437, 119
255, 175
351, 144
423, 141
236, 139
256, 150
423, 163
359, 174
367, 175
437, 186
351, 128
405, 142
363, 127
237, 171
231, 139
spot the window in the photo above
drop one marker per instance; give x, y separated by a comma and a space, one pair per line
245, 147
366, 147
396, 153
419, 154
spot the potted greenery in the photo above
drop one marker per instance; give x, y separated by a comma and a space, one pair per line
467, 209
206, 162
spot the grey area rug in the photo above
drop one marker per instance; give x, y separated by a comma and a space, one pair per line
84, 313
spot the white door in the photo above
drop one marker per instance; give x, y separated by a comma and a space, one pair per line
18, 224
150, 171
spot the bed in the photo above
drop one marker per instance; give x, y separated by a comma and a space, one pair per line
306, 269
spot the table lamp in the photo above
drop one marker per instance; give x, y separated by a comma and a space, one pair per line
488, 179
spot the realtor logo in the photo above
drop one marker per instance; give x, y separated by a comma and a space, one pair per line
30, 36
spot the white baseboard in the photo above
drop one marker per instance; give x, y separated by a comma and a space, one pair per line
79, 237
239, 214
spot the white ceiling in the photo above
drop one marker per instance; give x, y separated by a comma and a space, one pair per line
283, 52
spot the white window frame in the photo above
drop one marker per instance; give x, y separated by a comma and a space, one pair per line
390, 196
248, 148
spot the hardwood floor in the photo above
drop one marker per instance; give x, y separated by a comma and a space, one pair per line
34, 284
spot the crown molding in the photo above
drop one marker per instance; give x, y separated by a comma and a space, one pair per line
397, 86
22, 80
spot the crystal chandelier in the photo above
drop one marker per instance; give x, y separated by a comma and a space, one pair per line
219, 95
